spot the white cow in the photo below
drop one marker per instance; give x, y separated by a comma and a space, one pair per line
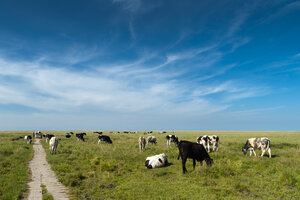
156, 161
262, 143
53, 143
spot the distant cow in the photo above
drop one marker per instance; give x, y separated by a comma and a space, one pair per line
98, 132
172, 138
156, 161
262, 144
80, 136
142, 143
37, 134
53, 145
204, 140
104, 138
68, 135
214, 141
28, 138
48, 137
195, 151
151, 139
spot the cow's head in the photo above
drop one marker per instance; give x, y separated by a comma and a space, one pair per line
209, 162
246, 147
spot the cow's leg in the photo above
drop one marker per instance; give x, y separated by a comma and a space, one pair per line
262, 152
184, 158
251, 152
269, 151
254, 152
194, 163
208, 148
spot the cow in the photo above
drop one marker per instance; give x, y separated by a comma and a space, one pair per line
172, 138
98, 132
48, 137
142, 143
53, 144
37, 134
204, 140
68, 135
80, 136
262, 144
195, 151
104, 138
214, 141
28, 138
156, 161
151, 139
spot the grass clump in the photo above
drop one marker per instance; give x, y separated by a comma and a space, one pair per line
46, 195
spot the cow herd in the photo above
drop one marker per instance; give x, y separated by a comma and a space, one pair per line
197, 151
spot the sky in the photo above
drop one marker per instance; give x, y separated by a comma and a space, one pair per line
150, 65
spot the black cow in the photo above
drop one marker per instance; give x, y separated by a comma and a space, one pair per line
80, 136
195, 151
104, 138
99, 132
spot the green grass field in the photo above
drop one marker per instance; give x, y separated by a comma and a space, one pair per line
14, 157
117, 171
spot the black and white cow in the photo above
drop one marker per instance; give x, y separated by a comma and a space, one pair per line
53, 143
28, 138
156, 161
204, 140
48, 137
151, 139
68, 135
37, 134
262, 144
195, 151
104, 138
98, 132
214, 142
80, 136
172, 138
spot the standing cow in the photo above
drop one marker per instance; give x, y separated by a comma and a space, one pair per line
151, 139
195, 151
53, 143
214, 142
172, 138
142, 143
262, 144
204, 140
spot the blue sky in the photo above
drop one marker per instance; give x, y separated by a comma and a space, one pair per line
149, 65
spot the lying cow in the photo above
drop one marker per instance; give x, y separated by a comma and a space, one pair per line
214, 141
48, 137
28, 138
80, 136
142, 143
151, 139
204, 140
172, 138
104, 138
156, 161
53, 143
195, 151
262, 144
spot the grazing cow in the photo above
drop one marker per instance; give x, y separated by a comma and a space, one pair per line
172, 138
204, 140
151, 139
53, 145
156, 161
28, 138
214, 141
104, 138
142, 143
48, 137
195, 151
262, 144
80, 136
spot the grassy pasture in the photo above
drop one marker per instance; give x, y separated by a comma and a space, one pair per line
117, 171
14, 157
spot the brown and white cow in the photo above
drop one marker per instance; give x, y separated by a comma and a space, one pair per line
142, 143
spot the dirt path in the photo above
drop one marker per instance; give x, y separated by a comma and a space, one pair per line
42, 174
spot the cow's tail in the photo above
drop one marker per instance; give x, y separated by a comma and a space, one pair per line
268, 144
